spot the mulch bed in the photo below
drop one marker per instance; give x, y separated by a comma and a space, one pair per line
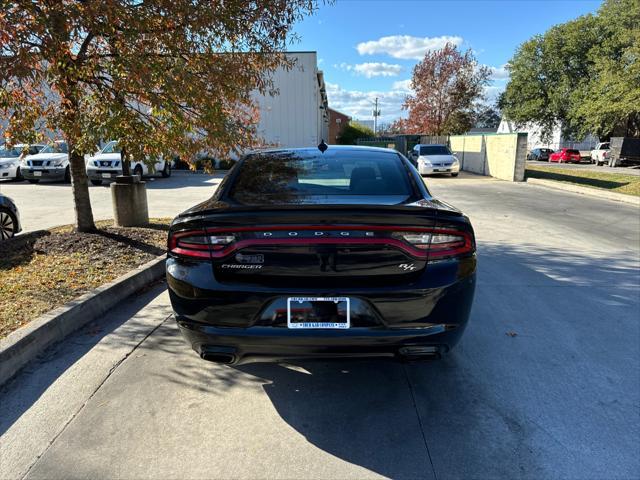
42, 270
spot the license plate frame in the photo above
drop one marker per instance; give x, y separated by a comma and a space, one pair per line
106, 175
310, 325
37, 173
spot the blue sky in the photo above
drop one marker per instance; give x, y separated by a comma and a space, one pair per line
368, 48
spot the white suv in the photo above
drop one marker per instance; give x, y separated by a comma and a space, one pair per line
107, 165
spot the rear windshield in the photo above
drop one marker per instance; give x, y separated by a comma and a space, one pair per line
434, 150
300, 176
573, 152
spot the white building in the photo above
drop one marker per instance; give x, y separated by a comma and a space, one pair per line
297, 116
555, 142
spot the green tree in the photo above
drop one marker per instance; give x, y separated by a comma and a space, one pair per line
354, 131
611, 101
171, 77
582, 75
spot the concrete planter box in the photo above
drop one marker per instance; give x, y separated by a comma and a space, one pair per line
129, 199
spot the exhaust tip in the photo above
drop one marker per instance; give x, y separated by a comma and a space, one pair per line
421, 352
218, 358
225, 355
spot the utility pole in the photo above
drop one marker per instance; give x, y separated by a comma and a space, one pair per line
376, 114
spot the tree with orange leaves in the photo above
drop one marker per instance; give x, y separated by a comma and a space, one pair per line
448, 85
161, 77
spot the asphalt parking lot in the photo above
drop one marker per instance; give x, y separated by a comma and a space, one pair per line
545, 383
589, 166
49, 204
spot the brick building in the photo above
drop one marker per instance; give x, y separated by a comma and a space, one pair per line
337, 122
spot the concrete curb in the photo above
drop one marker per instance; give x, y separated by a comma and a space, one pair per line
592, 192
26, 343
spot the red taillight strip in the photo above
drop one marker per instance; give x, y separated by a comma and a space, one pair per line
218, 251
322, 241
408, 248
191, 253
188, 249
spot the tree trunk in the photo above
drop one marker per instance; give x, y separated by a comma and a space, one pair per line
80, 188
126, 163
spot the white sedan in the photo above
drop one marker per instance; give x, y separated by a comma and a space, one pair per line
107, 165
11, 157
435, 159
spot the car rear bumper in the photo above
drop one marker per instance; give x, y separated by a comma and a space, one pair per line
235, 346
425, 317
45, 173
424, 170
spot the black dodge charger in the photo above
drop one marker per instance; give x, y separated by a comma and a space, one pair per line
329, 252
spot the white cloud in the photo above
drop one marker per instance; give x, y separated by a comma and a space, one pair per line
492, 92
403, 85
406, 46
499, 73
372, 69
359, 104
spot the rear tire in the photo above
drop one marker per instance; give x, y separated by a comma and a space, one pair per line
67, 175
96, 182
138, 171
8, 224
33, 180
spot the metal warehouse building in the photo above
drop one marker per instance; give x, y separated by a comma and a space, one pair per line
298, 115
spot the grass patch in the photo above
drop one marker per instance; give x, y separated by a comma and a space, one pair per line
615, 182
42, 270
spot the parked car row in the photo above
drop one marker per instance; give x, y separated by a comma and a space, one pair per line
620, 151
36, 162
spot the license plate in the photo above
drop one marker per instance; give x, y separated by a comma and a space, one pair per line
37, 174
106, 175
318, 312
439, 169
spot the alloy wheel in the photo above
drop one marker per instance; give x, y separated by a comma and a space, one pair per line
7, 226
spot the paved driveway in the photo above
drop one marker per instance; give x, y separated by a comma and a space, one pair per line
545, 383
49, 204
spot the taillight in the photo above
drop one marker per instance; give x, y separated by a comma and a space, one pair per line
197, 243
439, 243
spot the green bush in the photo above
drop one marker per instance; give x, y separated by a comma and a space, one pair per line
352, 132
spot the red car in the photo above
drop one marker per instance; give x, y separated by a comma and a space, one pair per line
565, 155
